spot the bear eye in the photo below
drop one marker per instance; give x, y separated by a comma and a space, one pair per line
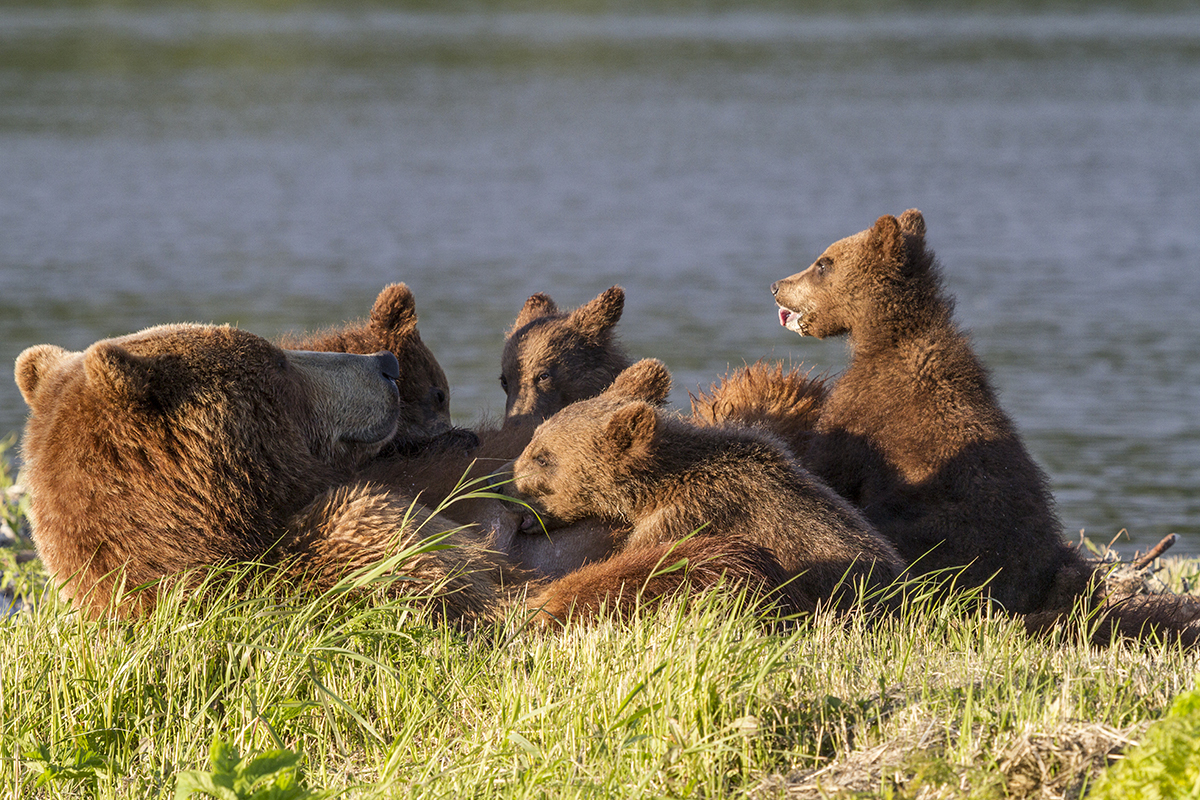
504, 383
543, 377
823, 264
542, 459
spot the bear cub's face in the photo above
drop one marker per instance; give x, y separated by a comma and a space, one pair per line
569, 470
553, 358
578, 460
813, 302
834, 295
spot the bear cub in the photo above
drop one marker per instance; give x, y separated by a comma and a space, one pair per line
620, 457
912, 432
553, 358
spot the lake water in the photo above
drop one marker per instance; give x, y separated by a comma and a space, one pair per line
275, 167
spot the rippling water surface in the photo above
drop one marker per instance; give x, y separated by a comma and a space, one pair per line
275, 168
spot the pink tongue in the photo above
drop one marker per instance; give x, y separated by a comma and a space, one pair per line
783, 316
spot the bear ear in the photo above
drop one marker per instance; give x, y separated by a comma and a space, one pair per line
537, 306
886, 238
395, 310
600, 314
118, 373
912, 222
34, 364
630, 430
646, 380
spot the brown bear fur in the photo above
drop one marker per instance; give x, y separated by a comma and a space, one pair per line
550, 358
912, 432
181, 447
392, 326
619, 457
461, 486
639, 578
763, 395
553, 358
578, 349
186, 446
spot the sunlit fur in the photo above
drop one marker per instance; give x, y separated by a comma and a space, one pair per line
392, 326
913, 434
619, 456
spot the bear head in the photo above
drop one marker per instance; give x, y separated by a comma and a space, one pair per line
578, 458
424, 390
553, 358
855, 279
392, 326
186, 445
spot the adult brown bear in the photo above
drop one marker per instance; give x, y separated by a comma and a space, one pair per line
188, 445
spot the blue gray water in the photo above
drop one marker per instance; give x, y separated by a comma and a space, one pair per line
275, 168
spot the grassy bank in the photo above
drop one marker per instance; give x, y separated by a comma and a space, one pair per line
371, 700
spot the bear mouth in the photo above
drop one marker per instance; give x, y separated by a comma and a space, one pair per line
792, 320
378, 434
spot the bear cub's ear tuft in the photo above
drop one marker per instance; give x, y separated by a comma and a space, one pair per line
34, 364
912, 222
646, 380
395, 310
887, 240
630, 430
599, 315
537, 306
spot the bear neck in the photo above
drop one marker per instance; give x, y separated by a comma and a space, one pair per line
899, 311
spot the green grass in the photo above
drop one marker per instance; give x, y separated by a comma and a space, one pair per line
266, 698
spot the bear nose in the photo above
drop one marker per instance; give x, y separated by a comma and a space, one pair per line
388, 365
775, 288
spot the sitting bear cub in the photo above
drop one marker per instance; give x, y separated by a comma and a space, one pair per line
912, 432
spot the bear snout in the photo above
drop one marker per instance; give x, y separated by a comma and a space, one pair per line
388, 365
